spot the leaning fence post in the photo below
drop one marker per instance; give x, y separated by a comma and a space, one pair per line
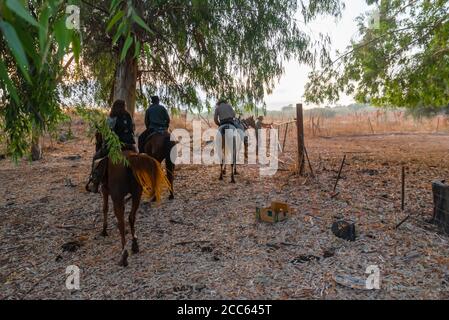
300, 134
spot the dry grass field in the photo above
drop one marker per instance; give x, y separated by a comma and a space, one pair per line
206, 244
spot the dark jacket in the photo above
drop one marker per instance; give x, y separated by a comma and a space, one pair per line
156, 117
123, 126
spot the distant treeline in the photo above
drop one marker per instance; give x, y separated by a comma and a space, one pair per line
288, 112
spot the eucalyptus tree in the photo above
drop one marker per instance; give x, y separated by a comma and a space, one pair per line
180, 49
35, 39
193, 51
400, 60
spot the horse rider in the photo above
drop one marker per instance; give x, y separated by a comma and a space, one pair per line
121, 123
157, 120
224, 114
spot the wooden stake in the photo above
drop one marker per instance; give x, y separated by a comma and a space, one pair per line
285, 137
403, 189
371, 126
308, 160
339, 172
300, 134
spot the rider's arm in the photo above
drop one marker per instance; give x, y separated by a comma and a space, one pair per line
147, 118
167, 117
216, 117
132, 126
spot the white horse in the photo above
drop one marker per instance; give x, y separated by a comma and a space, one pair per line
229, 142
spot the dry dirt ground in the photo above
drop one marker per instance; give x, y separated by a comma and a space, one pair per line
206, 243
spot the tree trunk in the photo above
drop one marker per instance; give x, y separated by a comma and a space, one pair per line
441, 205
126, 82
36, 149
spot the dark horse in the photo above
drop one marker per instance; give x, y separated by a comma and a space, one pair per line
143, 174
158, 145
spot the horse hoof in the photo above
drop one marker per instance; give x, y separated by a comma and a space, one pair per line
221, 178
232, 181
135, 246
124, 260
171, 197
104, 233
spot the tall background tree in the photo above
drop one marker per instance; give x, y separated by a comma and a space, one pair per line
400, 60
192, 51
34, 42
188, 52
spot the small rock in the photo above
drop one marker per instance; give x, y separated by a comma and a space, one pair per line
207, 249
68, 183
344, 230
71, 246
328, 253
304, 259
73, 158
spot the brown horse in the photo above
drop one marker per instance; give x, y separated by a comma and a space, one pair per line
142, 175
159, 146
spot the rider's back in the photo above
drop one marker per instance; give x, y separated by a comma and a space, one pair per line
156, 117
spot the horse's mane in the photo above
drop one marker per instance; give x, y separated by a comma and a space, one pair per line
148, 173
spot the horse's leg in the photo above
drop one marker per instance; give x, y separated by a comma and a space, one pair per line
221, 164
119, 211
170, 167
234, 160
132, 220
105, 193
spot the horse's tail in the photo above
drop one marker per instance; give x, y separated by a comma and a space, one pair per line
149, 174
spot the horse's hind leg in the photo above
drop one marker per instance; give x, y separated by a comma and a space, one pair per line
221, 172
105, 193
132, 220
119, 211
170, 166
234, 160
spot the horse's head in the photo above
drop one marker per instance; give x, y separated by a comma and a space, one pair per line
250, 122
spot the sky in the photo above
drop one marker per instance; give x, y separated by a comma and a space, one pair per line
290, 88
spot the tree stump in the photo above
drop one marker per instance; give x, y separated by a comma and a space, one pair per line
441, 204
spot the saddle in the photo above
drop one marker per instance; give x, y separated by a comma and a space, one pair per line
99, 170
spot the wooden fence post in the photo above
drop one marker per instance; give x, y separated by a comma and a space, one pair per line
285, 137
300, 134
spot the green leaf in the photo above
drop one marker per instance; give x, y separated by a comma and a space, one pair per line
20, 10
137, 48
120, 31
43, 30
76, 46
114, 4
140, 22
115, 19
62, 36
16, 47
128, 42
9, 85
